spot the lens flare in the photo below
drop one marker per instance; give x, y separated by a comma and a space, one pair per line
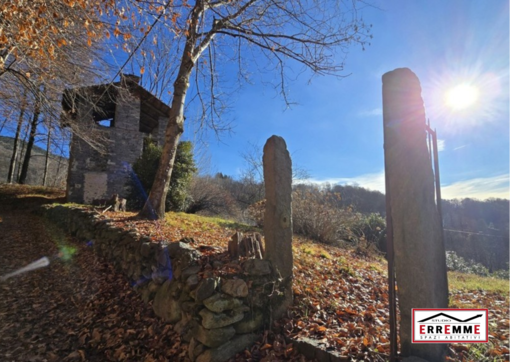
66, 252
462, 96
41, 263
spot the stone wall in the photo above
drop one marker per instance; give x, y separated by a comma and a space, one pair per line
216, 307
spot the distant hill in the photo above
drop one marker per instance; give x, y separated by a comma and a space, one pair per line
57, 166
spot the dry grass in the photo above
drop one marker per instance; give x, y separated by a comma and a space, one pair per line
469, 282
15, 191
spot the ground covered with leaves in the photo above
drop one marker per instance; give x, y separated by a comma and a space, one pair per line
76, 309
80, 309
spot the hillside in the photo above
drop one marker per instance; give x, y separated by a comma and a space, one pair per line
340, 297
57, 168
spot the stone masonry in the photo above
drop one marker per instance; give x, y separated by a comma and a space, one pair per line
218, 308
136, 115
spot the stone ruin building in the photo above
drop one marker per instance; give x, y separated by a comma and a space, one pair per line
124, 114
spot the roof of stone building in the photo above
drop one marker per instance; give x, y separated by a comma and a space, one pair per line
102, 99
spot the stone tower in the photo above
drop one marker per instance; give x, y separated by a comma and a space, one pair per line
123, 115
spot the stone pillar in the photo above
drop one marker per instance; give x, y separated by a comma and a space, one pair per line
127, 141
278, 217
420, 261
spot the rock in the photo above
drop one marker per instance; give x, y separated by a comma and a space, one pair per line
192, 281
163, 257
153, 287
228, 350
186, 273
145, 249
235, 288
147, 295
335, 356
214, 337
186, 327
165, 306
147, 273
160, 276
308, 346
213, 320
216, 264
195, 348
251, 322
257, 267
185, 253
205, 289
220, 302
144, 293
191, 307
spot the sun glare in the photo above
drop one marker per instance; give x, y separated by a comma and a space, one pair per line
461, 96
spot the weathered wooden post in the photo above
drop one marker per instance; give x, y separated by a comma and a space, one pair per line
278, 217
418, 244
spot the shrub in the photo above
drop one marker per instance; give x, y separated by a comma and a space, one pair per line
502, 274
315, 214
144, 172
458, 263
209, 197
372, 229
255, 213
184, 167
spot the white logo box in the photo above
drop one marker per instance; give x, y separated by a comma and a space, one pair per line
450, 325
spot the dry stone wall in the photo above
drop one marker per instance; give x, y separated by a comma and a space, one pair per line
217, 313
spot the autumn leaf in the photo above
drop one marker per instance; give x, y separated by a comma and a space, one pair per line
110, 322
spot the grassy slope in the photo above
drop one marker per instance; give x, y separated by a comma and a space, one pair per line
340, 295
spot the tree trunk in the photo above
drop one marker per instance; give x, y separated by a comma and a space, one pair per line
30, 144
57, 172
12, 164
154, 207
47, 160
3, 124
22, 151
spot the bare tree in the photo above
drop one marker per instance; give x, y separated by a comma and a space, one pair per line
12, 164
47, 156
312, 33
31, 139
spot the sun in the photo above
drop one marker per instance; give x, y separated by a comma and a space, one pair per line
461, 96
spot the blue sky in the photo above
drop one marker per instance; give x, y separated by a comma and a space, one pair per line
335, 129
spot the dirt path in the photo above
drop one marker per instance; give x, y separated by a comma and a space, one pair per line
77, 308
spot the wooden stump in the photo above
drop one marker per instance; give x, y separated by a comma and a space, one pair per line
249, 246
